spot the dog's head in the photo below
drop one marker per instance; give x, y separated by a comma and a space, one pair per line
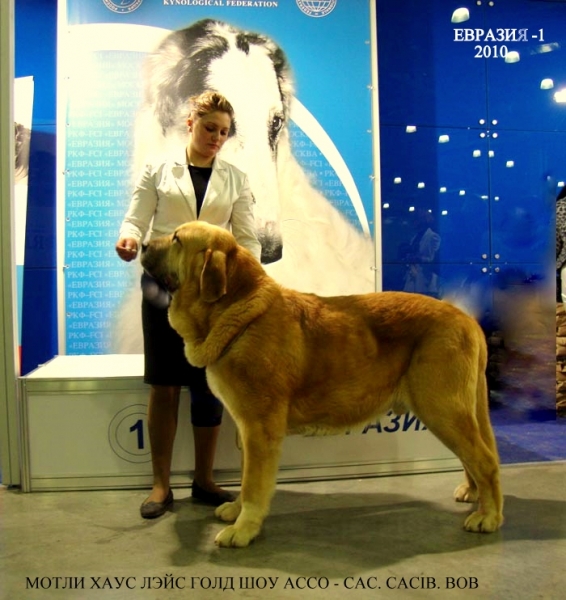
252, 72
195, 257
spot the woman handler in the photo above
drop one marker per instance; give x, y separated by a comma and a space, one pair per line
195, 185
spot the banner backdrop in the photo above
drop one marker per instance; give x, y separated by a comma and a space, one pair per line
23, 112
304, 138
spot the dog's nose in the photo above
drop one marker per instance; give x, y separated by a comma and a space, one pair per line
271, 248
271, 254
271, 243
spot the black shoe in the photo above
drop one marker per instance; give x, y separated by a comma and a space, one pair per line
152, 510
212, 498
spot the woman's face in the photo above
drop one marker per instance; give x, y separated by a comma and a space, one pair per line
209, 133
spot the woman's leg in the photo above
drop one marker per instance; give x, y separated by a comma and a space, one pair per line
205, 440
162, 425
206, 417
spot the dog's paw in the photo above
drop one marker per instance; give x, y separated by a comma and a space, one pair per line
237, 536
479, 522
464, 493
229, 511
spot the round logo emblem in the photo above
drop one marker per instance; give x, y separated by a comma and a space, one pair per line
122, 6
128, 436
317, 8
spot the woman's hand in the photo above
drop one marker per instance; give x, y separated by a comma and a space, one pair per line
127, 249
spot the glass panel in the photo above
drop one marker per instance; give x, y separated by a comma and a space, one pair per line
425, 76
524, 172
435, 179
527, 90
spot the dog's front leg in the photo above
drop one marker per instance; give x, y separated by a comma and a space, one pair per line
230, 511
261, 451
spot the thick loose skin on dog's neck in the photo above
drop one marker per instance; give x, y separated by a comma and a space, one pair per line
209, 328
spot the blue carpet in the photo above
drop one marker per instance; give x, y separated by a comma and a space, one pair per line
526, 424
523, 401
531, 441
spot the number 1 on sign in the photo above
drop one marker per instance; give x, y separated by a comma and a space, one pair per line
138, 426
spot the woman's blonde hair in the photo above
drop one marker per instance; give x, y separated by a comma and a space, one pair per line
208, 102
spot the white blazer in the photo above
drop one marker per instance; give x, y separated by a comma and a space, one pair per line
164, 198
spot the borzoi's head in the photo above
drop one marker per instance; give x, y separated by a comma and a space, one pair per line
251, 71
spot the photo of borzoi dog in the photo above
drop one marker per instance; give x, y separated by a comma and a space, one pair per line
307, 243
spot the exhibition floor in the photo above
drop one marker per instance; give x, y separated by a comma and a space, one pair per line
383, 537
398, 537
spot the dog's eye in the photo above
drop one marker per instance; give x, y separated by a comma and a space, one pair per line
276, 124
275, 127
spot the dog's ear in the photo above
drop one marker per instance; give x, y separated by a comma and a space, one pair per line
213, 276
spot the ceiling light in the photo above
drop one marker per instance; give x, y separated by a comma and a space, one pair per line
546, 84
460, 15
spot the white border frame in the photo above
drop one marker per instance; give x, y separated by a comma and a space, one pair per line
9, 421
61, 130
376, 149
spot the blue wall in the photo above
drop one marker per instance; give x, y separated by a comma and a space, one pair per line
487, 147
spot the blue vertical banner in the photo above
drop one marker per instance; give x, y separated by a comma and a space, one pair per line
299, 76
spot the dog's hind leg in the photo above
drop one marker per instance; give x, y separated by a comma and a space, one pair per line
261, 451
482, 468
488, 439
482, 471
467, 432
468, 491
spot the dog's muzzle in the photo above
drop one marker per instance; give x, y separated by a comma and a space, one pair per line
271, 247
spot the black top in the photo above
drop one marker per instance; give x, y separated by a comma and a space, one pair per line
200, 177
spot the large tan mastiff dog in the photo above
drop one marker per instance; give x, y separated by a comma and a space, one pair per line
286, 362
